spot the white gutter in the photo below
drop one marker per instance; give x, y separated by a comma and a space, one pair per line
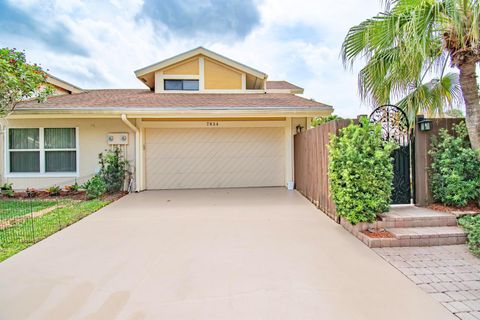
137, 151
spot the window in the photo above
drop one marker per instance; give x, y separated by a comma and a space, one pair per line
185, 85
24, 145
42, 150
60, 153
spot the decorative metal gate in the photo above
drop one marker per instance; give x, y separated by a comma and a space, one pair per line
395, 127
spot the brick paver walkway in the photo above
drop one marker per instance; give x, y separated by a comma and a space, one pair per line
450, 274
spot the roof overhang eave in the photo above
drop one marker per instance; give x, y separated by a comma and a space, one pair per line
167, 111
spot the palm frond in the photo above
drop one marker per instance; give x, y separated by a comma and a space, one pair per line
433, 97
414, 40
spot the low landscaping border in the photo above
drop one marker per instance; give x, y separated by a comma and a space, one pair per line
24, 222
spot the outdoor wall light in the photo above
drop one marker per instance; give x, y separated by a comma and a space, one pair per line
424, 124
299, 128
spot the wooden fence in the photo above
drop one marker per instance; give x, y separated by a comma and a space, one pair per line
311, 164
423, 141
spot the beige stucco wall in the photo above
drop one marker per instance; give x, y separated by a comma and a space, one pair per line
218, 76
92, 141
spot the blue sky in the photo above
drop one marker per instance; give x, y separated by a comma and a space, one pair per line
98, 44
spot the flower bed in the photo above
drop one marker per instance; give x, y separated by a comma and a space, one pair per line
470, 209
378, 238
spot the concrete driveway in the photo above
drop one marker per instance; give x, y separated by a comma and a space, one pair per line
208, 254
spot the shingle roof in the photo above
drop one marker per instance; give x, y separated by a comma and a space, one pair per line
139, 98
281, 85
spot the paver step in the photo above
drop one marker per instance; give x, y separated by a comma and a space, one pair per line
401, 218
422, 236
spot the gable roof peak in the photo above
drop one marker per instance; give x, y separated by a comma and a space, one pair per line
142, 72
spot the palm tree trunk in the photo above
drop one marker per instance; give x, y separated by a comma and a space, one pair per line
468, 82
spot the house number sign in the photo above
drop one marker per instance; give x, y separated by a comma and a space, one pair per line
212, 124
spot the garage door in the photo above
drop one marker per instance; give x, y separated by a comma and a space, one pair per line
214, 158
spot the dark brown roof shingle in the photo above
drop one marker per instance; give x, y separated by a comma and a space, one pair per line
139, 98
282, 85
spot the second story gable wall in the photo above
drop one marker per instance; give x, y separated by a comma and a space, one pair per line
187, 67
221, 77
213, 76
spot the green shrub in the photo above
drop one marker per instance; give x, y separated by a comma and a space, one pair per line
72, 188
94, 187
7, 190
321, 120
455, 171
113, 169
361, 172
6, 186
8, 193
471, 224
54, 191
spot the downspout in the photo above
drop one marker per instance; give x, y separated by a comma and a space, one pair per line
137, 151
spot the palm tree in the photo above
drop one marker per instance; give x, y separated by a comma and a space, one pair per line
412, 50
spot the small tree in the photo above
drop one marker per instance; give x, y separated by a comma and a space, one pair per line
113, 169
455, 168
361, 172
20, 80
321, 120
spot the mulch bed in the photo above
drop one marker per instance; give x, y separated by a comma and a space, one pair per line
378, 234
470, 208
113, 196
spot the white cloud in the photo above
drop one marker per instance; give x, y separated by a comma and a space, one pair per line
119, 42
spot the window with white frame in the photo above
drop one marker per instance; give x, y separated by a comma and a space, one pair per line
42, 150
179, 84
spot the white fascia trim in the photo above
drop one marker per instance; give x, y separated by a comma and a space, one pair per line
159, 110
63, 84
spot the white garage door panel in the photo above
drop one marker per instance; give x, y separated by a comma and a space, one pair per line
214, 158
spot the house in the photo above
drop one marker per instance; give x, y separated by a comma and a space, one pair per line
204, 121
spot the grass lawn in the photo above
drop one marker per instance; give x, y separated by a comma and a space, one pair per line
23, 234
16, 208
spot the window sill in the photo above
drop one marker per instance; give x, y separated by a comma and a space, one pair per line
43, 175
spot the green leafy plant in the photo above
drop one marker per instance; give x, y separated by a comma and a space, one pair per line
73, 188
6, 186
361, 172
20, 80
455, 170
7, 190
54, 190
321, 120
471, 224
8, 193
95, 187
113, 169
